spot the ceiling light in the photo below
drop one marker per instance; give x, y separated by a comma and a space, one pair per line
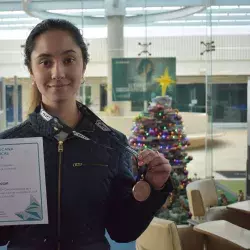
93, 10
177, 21
229, 7
226, 21
75, 11
66, 11
98, 16
19, 19
219, 14
214, 7
17, 25
172, 8
200, 14
11, 12
244, 7
134, 9
9, 19
153, 8
237, 14
162, 22
243, 20
194, 21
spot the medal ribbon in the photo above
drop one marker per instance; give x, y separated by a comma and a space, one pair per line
59, 126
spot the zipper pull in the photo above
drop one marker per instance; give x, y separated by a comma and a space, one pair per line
60, 146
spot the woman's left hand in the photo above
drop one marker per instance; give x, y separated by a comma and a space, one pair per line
159, 168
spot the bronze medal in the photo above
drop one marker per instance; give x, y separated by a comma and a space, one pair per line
141, 190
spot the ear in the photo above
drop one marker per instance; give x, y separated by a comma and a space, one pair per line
33, 79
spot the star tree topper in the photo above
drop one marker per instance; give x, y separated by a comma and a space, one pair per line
165, 80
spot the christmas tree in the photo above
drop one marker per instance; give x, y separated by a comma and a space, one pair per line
161, 128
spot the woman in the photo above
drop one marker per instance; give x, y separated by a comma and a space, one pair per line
89, 184
146, 69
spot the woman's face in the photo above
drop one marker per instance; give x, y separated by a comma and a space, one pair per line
148, 68
57, 66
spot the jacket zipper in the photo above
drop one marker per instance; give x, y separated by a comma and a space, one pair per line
94, 164
60, 151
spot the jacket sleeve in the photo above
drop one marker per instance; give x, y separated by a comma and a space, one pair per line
127, 218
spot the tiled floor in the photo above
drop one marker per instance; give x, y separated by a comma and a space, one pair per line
229, 153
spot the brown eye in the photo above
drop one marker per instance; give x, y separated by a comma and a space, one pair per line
46, 63
69, 60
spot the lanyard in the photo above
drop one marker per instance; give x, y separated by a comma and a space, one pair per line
59, 126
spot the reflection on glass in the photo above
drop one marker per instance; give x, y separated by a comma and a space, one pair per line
10, 101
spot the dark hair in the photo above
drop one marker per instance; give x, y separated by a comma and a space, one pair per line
142, 66
54, 24
42, 27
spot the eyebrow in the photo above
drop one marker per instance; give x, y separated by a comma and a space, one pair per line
63, 53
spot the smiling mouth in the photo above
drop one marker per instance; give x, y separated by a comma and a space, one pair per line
58, 86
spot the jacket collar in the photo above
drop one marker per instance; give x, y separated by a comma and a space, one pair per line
45, 128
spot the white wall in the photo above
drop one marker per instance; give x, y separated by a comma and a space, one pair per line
232, 55
125, 123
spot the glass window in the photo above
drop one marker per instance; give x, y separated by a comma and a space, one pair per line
88, 95
190, 97
103, 96
230, 103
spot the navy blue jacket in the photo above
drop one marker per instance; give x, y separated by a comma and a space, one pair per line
92, 193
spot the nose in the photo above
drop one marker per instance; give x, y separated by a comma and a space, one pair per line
58, 72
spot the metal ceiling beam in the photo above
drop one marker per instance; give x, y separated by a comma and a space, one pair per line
90, 21
76, 20
51, 5
157, 25
166, 3
18, 22
207, 24
14, 16
160, 3
231, 2
103, 22
45, 5
129, 20
37, 8
165, 16
228, 11
218, 18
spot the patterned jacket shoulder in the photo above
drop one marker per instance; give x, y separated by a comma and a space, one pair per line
19, 131
120, 135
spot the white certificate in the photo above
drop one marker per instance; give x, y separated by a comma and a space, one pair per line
23, 197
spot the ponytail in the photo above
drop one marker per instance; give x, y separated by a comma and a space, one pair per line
36, 99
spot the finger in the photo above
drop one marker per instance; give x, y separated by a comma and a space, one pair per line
161, 154
144, 153
160, 168
157, 161
148, 157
